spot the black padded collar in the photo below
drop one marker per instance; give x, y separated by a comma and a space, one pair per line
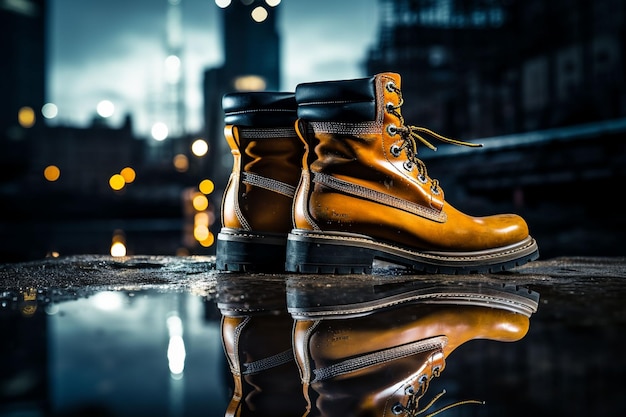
339, 101
259, 109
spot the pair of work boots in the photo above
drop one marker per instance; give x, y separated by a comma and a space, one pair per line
328, 179
355, 348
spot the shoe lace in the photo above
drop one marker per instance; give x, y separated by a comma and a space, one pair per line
410, 136
411, 408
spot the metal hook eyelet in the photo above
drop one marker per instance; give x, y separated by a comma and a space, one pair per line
397, 409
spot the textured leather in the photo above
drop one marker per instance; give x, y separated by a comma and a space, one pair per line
352, 182
268, 154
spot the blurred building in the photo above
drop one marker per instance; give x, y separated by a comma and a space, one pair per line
476, 68
22, 80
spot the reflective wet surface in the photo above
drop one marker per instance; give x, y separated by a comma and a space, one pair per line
169, 336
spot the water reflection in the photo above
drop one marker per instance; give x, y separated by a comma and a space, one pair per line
101, 336
104, 352
361, 346
256, 334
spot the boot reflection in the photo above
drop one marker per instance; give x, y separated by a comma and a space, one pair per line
372, 349
256, 336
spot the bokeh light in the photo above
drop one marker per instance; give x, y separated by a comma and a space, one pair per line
181, 162
200, 202
201, 217
259, 14
208, 241
117, 182
201, 232
49, 110
159, 131
129, 174
250, 83
206, 186
118, 243
199, 147
105, 108
26, 117
222, 4
118, 249
51, 173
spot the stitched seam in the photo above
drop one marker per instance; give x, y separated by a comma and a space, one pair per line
305, 184
236, 336
268, 184
315, 103
262, 110
373, 195
268, 363
270, 133
240, 216
344, 128
424, 254
381, 357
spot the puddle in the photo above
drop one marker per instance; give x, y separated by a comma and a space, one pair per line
99, 336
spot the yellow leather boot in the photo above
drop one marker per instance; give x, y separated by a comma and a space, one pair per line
365, 195
256, 336
267, 161
377, 356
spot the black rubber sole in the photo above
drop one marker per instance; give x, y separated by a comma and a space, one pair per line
343, 253
241, 251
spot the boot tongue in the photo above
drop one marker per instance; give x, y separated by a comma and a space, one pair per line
390, 76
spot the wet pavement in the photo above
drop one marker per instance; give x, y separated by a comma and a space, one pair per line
143, 335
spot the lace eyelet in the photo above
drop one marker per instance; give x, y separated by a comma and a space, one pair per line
437, 369
434, 190
390, 107
390, 86
423, 379
392, 130
408, 165
409, 390
422, 179
397, 408
395, 150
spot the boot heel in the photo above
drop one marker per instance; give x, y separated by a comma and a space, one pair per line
250, 252
306, 254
